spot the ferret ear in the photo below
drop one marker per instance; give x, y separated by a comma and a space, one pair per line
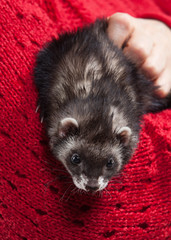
67, 127
124, 135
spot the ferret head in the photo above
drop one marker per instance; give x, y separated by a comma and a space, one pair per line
90, 162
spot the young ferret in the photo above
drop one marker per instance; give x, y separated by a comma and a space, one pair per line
92, 99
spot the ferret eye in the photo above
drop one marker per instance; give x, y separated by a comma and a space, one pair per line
110, 163
75, 159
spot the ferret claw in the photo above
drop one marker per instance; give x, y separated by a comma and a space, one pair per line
38, 106
41, 120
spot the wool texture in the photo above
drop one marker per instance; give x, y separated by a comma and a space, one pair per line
37, 198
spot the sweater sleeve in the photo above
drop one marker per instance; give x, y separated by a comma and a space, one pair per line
154, 9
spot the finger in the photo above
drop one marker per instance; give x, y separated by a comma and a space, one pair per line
154, 64
120, 28
164, 82
138, 47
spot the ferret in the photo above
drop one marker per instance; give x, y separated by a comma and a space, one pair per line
92, 99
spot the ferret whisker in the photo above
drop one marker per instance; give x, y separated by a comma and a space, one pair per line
45, 205
46, 187
59, 170
121, 174
116, 181
66, 183
75, 190
51, 181
49, 163
52, 170
65, 193
108, 193
99, 194
81, 191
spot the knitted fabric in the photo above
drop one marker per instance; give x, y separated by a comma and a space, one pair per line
37, 199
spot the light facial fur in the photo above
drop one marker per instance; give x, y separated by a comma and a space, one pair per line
92, 99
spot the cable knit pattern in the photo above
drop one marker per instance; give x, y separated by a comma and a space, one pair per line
37, 199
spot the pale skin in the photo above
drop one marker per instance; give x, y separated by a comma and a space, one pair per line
147, 43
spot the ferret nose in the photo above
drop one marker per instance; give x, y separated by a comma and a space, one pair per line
92, 186
91, 189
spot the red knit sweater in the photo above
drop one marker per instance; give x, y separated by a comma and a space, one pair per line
137, 206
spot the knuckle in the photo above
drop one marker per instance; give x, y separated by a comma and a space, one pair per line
141, 50
123, 19
151, 67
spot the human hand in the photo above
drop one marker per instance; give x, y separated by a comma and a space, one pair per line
147, 43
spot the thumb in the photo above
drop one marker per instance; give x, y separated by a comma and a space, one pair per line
120, 28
